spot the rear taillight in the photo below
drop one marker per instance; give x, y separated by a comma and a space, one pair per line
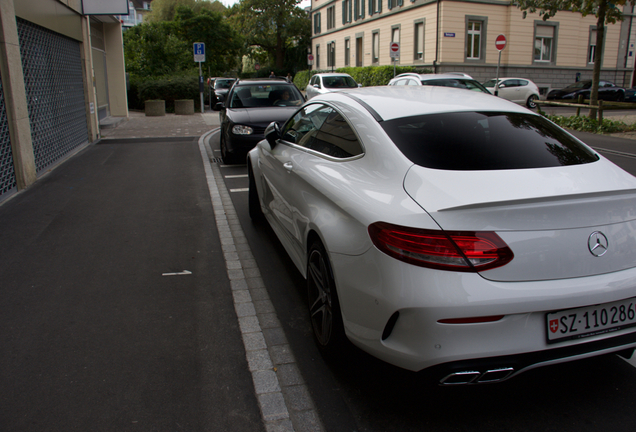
444, 250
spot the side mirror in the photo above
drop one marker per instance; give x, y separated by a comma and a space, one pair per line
219, 106
359, 85
317, 86
272, 134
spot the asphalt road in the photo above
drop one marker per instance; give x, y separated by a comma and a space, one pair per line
360, 393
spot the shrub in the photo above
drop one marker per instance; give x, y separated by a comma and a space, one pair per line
168, 88
586, 124
367, 76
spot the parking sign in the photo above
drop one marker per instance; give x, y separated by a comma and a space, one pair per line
199, 52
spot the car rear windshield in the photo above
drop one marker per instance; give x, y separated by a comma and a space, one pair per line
265, 95
477, 141
339, 82
223, 83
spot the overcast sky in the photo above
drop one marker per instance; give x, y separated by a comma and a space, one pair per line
303, 4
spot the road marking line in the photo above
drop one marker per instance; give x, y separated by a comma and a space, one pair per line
283, 407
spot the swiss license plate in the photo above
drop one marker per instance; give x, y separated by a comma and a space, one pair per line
591, 320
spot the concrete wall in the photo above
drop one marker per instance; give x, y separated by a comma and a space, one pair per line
63, 17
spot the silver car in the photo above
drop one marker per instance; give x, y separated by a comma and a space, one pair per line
518, 90
451, 79
328, 82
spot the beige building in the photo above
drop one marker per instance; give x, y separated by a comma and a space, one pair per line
460, 36
61, 73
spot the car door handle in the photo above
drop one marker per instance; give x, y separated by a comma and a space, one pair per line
288, 166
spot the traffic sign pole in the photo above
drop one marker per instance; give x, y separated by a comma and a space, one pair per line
199, 57
500, 44
394, 53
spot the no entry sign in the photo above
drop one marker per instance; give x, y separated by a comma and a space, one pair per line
395, 50
500, 42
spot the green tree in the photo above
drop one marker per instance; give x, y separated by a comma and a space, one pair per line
165, 48
279, 27
155, 49
606, 12
165, 10
222, 42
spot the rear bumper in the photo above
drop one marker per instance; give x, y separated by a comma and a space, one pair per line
497, 369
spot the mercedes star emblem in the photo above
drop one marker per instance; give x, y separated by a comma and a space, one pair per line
597, 244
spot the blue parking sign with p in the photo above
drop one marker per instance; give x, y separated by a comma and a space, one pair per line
199, 51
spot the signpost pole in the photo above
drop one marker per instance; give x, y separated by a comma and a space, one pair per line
199, 57
497, 76
201, 89
500, 44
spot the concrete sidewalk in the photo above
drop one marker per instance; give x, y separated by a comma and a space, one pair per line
138, 125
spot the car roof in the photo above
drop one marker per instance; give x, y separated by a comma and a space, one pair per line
330, 74
253, 81
425, 77
505, 78
391, 102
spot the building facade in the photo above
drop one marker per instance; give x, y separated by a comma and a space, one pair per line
61, 72
459, 36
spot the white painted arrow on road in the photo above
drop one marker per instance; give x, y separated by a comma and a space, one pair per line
183, 273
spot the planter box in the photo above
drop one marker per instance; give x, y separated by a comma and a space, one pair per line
184, 107
155, 108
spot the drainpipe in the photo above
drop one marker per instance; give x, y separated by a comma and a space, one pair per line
436, 41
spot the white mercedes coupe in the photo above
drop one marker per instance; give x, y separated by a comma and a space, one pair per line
450, 230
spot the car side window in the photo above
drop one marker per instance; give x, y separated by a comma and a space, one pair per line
336, 138
320, 128
304, 125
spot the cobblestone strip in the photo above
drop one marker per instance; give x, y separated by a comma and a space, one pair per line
283, 397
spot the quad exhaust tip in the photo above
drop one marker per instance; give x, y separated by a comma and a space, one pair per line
476, 377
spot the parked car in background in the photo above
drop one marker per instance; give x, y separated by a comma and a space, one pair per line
222, 87
328, 82
630, 95
606, 91
518, 90
250, 106
452, 79
450, 231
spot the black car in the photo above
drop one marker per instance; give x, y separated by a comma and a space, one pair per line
606, 91
222, 86
250, 106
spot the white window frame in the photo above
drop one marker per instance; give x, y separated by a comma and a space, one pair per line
375, 47
418, 40
473, 45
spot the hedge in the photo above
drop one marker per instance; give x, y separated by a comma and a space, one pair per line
367, 76
168, 88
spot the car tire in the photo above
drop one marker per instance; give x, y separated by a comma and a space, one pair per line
253, 203
620, 97
532, 101
228, 158
324, 307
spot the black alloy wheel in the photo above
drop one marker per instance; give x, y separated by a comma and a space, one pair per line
253, 203
228, 158
324, 308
